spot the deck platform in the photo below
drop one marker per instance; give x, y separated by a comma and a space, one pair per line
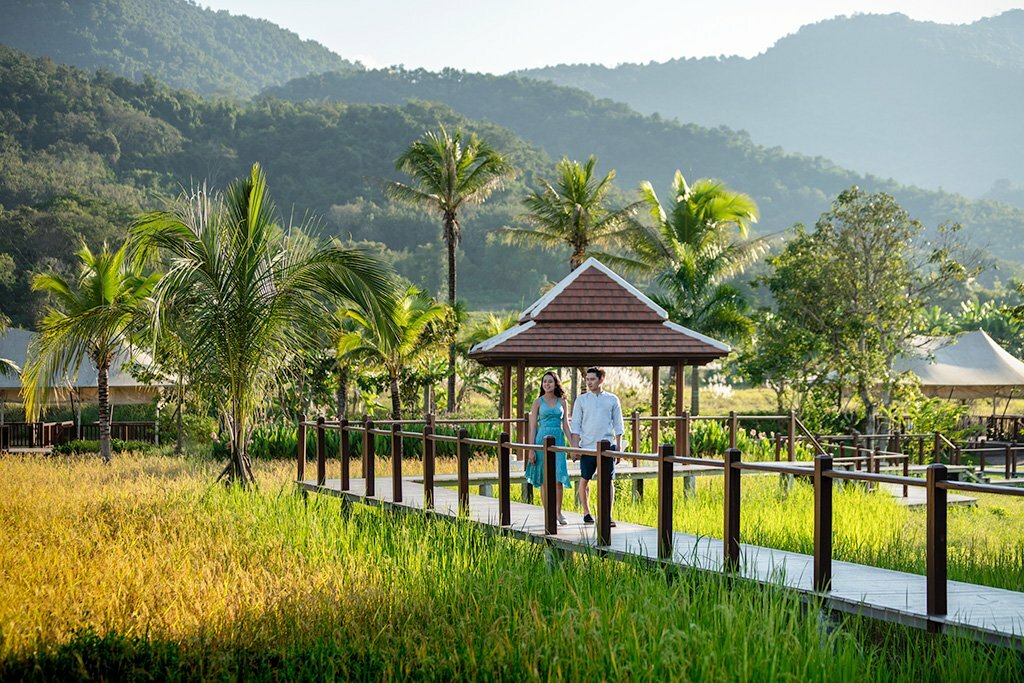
989, 614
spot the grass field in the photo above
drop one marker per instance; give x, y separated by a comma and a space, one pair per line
144, 569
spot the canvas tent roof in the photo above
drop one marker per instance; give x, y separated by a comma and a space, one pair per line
124, 389
969, 366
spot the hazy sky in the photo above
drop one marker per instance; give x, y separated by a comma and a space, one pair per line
495, 36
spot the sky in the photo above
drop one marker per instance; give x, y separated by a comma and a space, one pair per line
497, 36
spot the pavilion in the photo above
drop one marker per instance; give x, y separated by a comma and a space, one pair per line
595, 317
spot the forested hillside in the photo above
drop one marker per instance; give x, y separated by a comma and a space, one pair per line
789, 188
929, 104
176, 41
80, 154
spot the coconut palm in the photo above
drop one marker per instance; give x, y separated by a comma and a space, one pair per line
8, 368
572, 212
396, 339
695, 243
477, 377
251, 292
92, 317
449, 172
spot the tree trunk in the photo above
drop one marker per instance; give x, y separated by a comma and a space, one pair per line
695, 391
341, 395
102, 391
449, 230
239, 470
396, 399
177, 419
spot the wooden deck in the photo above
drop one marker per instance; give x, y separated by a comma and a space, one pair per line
989, 614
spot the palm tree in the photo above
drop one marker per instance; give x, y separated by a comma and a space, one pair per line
92, 317
449, 172
251, 292
572, 212
694, 244
477, 377
8, 368
397, 345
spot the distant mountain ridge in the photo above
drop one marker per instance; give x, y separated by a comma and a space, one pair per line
929, 104
177, 41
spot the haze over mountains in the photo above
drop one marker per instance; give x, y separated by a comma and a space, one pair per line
924, 103
80, 153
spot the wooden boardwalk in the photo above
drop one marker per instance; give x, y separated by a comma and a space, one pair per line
989, 614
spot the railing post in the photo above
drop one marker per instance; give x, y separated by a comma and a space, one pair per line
634, 425
935, 449
321, 452
1008, 456
936, 540
733, 426
300, 449
822, 523
731, 540
920, 449
504, 480
778, 447
665, 481
345, 453
604, 494
369, 457
550, 520
981, 460
396, 462
463, 451
906, 473
791, 430
428, 466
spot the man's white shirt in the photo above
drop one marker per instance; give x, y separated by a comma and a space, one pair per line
597, 417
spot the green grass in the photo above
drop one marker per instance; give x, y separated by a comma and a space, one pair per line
143, 569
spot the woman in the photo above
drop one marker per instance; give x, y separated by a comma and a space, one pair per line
549, 416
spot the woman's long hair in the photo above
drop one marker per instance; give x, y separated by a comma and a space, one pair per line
559, 392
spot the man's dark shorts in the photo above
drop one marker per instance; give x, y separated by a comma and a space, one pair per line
588, 466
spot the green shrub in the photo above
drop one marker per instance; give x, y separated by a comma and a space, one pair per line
83, 446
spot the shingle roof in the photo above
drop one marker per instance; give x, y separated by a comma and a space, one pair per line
595, 316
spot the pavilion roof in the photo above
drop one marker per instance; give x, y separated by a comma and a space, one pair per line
594, 316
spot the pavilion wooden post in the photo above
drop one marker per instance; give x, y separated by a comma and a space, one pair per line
791, 429
344, 453
683, 449
506, 395
680, 385
655, 406
522, 426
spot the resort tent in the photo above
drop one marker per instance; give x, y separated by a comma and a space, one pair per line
969, 366
81, 386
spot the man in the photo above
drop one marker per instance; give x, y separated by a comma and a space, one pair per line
596, 417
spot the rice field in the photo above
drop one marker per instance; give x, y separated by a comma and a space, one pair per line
145, 569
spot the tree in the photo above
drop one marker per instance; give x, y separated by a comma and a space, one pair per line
251, 292
856, 285
695, 243
394, 338
477, 377
449, 172
572, 213
93, 317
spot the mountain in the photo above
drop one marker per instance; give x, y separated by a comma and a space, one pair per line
789, 188
928, 104
81, 154
176, 41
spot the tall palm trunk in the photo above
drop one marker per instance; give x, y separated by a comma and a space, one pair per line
102, 392
239, 470
396, 399
694, 391
341, 395
449, 231
177, 418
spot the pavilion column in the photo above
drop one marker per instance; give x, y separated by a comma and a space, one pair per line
506, 393
521, 427
680, 377
655, 405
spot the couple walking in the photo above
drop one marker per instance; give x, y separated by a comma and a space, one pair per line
596, 417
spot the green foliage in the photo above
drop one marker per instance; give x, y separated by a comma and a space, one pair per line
178, 41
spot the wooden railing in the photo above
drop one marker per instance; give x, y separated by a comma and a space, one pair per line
125, 431
35, 434
938, 483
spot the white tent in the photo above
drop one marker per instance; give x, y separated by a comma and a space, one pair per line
969, 366
123, 388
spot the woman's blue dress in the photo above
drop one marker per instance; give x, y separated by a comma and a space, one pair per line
549, 423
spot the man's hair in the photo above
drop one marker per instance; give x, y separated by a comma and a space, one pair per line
597, 371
